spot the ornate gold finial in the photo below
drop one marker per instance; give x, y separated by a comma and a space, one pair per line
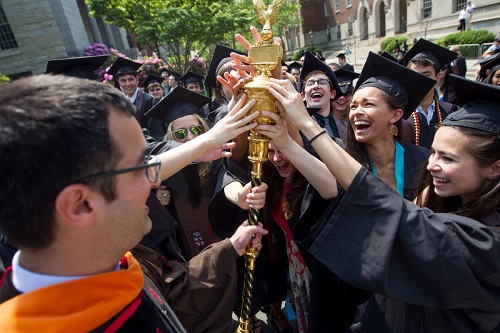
267, 17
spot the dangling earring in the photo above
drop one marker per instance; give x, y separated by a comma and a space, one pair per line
394, 130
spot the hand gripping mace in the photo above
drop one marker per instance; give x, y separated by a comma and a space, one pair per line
264, 57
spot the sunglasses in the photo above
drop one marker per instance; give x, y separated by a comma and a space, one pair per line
182, 133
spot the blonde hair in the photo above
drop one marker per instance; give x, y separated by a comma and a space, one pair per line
203, 167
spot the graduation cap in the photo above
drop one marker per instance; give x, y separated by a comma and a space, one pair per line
174, 74
489, 62
82, 67
480, 106
122, 65
294, 65
179, 103
311, 64
388, 56
407, 86
341, 55
152, 78
345, 78
430, 51
190, 77
221, 56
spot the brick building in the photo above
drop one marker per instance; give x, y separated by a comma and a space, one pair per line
331, 24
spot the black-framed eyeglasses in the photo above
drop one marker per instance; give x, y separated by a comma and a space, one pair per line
181, 133
151, 167
320, 82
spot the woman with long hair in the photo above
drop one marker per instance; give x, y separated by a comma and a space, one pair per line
298, 182
188, 193
385, 94
429, 271
373, 130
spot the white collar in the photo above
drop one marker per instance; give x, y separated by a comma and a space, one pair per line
26, 281
134, 96
430, 112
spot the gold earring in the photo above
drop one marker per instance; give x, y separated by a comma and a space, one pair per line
394, 130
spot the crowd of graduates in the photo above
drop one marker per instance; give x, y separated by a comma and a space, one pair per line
379, 202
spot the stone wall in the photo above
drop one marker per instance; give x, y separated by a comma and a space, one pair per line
37, 35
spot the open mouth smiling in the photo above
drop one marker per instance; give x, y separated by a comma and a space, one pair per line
362, 125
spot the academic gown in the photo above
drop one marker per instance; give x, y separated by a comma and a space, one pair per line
189, 205
333, 301
187, 209
429, 272
310, 209
143, 103
427, 132
348, 67
270, 280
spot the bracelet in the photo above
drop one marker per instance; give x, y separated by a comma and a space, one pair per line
317, 135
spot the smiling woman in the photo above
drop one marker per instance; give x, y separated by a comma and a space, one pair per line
414, 259
385, 93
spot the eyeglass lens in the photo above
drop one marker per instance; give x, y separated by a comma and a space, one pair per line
320, 82
181, 133
153, 171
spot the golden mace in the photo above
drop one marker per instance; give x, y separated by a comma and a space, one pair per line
264, 57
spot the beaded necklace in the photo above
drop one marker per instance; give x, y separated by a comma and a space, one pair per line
416, 120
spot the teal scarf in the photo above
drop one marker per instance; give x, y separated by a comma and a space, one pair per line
399, 160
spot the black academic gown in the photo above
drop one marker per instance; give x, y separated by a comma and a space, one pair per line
348, 67
333, 301
143, 103
429, 272
270, 273
427, 132
162, 236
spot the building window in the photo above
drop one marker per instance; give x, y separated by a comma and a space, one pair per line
459, 4
7, 39
336, 4
348, 3
427, 8
325, 9
349, 28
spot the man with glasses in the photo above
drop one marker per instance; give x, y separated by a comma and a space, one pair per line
74, 185
319, 87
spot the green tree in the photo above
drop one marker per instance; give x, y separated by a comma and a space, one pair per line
181, 26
